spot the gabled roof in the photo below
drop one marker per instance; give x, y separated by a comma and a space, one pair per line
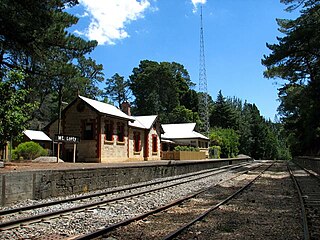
181, 131
105, 108
36, 135
144, 122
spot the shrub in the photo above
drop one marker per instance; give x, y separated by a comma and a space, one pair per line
28, 151
227, 139
215, 151
186, 148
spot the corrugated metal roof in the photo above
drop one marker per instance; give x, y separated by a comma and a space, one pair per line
144, 122
181, 131
106, 108
36, 135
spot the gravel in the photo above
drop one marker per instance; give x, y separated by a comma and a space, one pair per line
85, 221
269, 209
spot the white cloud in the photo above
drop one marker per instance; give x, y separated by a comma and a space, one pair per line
196, 2
85, 14
110, 17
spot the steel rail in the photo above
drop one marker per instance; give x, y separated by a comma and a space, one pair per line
205, 213
14, 210
41, 205
15, 222
308, 171
306, 233
112, 227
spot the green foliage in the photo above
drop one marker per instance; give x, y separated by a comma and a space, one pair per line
215, 151
181, 114
186, 149
14, 111
117, 89
227, 139
258, 138
161, 88
28, 151
295, 58
35, 40
25, 28
189, 100
223, 115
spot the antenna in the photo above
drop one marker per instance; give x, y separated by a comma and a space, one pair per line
203, 91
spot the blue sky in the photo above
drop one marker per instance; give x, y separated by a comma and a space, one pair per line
235, 36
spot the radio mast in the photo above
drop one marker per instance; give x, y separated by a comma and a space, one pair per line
203, 86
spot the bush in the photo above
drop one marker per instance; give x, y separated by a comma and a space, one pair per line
227, 139
186, 149
28, 151
215, 151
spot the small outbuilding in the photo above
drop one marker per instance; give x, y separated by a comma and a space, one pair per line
39, 137
183, 134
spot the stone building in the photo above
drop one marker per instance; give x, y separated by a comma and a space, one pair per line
144, 138
106, 133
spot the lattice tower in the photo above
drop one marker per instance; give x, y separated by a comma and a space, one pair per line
203, 86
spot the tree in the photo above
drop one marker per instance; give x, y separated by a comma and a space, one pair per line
89, 76
159, 88
190, 99
182, 115
35, 40
246, 138
296, 59
14, 111
259, 138
117, 89
227, 139
222, 115
31, 30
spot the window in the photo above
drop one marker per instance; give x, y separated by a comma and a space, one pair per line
154, 143
108, 130
120, 132
88, 131
137, 142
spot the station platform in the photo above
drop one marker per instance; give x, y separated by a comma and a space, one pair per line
29, 180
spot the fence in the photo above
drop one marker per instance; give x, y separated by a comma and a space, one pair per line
183, 155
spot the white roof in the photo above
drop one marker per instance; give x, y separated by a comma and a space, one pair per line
167, 141
144, 122
36, 135
106, 108
181, 131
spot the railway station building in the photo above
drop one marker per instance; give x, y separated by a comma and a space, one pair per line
106, 133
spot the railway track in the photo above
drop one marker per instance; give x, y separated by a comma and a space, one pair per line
308, 187
98, 204
194, 207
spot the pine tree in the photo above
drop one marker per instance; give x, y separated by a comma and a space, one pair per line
117, 89
296, 59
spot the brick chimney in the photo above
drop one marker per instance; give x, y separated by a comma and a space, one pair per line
125, 107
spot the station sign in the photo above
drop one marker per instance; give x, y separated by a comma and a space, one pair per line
66, 138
